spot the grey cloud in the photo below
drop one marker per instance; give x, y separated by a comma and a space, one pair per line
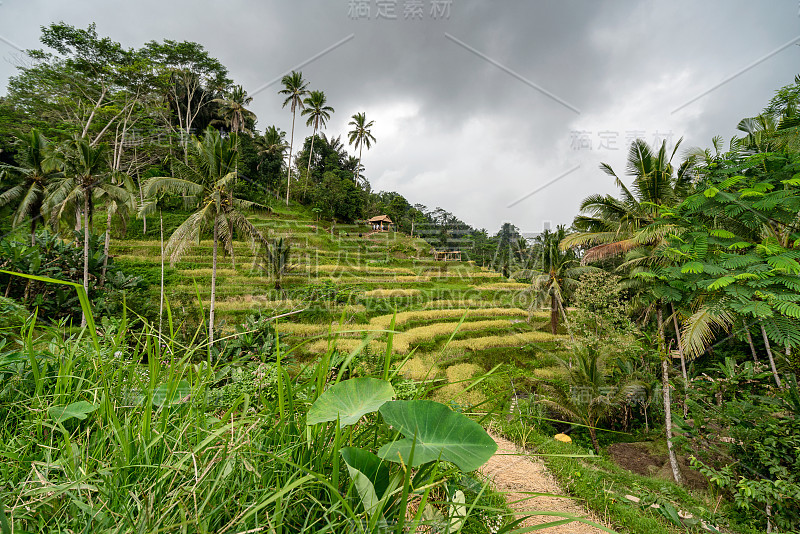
624, 65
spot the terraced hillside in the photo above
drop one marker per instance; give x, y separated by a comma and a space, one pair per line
347, 287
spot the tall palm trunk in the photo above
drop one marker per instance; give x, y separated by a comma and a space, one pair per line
683, 360
289, 169
213, 287
230, 203
769, 354
34, 220
593, 435
106, 247
161, 301
310, 153
553, 313
141, 199
358, 166
665, 387
86, 194
750, 341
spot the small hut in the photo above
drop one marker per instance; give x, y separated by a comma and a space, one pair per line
447, 255
381, 223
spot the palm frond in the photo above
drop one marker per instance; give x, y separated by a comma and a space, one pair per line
605, 251
698, 330
175, 186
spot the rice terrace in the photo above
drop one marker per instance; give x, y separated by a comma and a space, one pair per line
227, 306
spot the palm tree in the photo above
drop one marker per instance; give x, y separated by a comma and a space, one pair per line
592, 394
271, 148
154, 202
318, 114
39, 163
360, 136
294, 88
272, 142
275, 259
233, 111
762, 134
207, 181
122, 208
85, 176
611, 224
556, 273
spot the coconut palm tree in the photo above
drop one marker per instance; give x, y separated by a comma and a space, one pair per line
318, 114
233, 111
84, 178
360, 136
294, 88
556, 273
611, 224
272, 142
275, 259
592, 393
207, 181
122, 208
38, 164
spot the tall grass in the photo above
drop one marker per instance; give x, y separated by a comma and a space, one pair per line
121, 430
95, 439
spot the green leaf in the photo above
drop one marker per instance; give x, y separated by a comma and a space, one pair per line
694, 267
718, 232
756, 308
739, 245
721, 282
711, 192
79, 410
440, 433
350, 400
169, 394
784, 264
370, 476
788, 308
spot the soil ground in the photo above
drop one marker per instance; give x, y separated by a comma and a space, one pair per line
641, 459
516, 474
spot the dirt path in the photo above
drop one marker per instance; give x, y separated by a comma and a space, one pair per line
515, 475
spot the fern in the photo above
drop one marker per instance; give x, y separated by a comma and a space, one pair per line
756, 308
737, 261
713, 269
782, 263
783, 330
721, 282
694, 267
789, 282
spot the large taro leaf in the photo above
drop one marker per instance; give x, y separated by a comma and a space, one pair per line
79, 410
441, 434
370, 476
349, 400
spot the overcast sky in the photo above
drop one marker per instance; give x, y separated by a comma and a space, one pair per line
495, 111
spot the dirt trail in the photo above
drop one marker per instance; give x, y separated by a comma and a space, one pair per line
515, 475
